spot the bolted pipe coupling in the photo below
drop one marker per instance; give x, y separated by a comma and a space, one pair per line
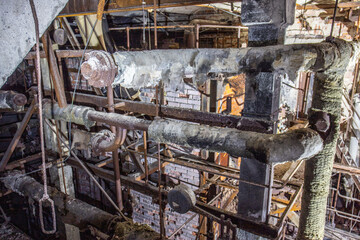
99, 69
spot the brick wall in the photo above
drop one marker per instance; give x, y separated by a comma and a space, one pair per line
190, 98
147, 212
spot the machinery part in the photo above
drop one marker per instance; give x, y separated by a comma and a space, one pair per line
76, 212
100, 138
99, 69
12, 100
75, 114
107, 141
181, 198
60, 36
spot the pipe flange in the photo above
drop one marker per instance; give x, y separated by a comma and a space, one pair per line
181, 198
99, 69
99, 138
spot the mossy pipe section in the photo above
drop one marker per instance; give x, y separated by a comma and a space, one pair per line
267, 148
76, 212
327, 99
70, 113
147, 68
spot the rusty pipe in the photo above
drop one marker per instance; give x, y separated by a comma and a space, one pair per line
99, 141
267, 148
123, 121
117, 140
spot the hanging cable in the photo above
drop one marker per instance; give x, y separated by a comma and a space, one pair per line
334, 16
144, 23
45, 196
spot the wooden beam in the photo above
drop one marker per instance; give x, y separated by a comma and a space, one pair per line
346, 169
153, 168
327, 6
22, 161
88, 7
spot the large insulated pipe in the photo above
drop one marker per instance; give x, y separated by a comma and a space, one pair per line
267, 148
326, 101
147, 68
77, 212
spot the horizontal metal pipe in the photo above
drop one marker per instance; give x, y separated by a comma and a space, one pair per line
70, 113
118, 120
267, 148
191, 115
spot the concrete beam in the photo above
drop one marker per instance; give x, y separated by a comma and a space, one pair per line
18, 30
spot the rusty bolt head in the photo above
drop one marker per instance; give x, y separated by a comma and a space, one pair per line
19, 99
99, 69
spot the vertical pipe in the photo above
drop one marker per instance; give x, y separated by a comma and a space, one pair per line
162, 228
145, 158
128, 38
197, 35
327, 100
336, 196
115, 155
155, 26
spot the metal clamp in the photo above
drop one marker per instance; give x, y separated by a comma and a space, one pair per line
42, 200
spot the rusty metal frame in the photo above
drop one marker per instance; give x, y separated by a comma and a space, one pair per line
258, 228
54, 70
212, 119
17, 136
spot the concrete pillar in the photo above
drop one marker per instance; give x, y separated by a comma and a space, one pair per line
267, 21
